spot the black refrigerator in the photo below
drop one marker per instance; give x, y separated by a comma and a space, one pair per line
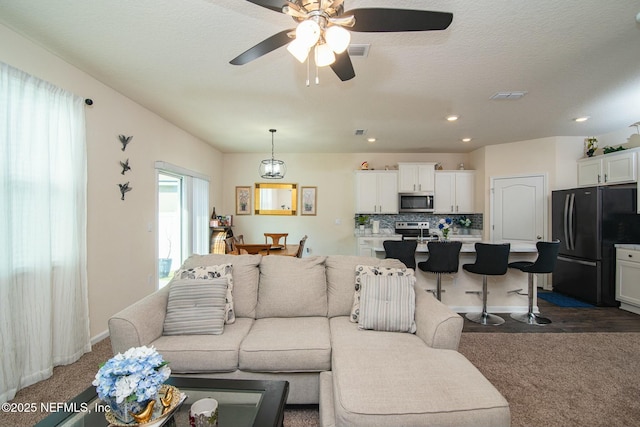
588, 222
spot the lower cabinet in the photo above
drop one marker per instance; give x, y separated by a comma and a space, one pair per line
367, 244
628, 279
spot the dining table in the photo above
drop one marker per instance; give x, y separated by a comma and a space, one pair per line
261, 248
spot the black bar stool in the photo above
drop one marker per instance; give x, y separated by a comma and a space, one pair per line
403, 250
545, 263
491, 260
444, 258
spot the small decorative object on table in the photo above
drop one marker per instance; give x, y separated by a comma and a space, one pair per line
131, 383
590, 145
204, 413
444, 225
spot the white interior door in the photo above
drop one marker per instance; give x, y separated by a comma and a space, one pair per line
519, 208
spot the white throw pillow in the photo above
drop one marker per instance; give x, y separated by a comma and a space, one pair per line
370, 270
388, 303
213, 272
195, 307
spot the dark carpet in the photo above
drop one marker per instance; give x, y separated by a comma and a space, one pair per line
562, 300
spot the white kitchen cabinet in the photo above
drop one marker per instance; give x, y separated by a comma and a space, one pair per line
454, 192
612, 168
628, 279
376, 192
367, 244
414, 177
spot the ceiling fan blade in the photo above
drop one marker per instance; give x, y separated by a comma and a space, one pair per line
391, 20
265, 46
275, 5
343, 67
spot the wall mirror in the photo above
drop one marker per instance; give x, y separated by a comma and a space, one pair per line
276, 199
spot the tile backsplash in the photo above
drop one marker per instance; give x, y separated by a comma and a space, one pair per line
389, 221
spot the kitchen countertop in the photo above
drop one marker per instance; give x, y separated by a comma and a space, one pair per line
470, 248
630, 246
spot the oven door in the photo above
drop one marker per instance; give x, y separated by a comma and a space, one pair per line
415, 202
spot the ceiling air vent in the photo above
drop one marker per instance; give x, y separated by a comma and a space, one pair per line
359, 50
508, 95
360, 132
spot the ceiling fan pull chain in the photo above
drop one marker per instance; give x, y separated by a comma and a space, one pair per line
317, 77
308, 71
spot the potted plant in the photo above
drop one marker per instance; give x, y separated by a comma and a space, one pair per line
362, 220
130, 381
164, 264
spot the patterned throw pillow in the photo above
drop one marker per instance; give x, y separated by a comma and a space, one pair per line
369, 270
213, 272
388, 303
195, 307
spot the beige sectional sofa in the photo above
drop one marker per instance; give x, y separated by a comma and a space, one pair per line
292, 323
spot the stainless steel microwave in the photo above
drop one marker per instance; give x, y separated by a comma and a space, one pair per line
415, 202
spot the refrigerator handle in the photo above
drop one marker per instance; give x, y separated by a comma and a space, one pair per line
565, 224
572, 205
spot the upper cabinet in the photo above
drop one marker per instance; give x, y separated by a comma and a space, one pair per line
415, 177
376, 192
454, 192
612, 168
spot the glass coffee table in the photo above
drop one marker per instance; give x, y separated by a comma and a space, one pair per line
242, 403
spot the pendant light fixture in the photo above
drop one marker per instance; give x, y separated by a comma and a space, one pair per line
272, 168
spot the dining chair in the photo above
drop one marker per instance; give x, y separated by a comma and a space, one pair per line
403, 250
301, 247
275, 239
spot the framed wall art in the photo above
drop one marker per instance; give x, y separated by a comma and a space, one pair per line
243, 200
309, 200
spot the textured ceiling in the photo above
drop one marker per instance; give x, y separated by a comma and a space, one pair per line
572, 57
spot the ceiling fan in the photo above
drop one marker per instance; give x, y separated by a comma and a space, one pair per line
321, 28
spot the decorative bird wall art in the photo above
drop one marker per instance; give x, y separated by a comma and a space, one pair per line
125, 166
124, 140
124, 188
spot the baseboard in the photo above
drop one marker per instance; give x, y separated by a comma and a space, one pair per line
493, 309
102, 335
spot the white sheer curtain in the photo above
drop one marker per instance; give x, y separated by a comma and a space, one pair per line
200, 216
44, 318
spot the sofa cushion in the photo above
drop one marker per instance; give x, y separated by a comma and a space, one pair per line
292, 287
388, 303
362, 271
196, 306
245, 278
212, 272
204, 353
297, 344
341, 278
406, 383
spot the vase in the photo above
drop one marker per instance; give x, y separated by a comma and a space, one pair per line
122, 411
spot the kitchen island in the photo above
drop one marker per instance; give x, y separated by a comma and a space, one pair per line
455, 286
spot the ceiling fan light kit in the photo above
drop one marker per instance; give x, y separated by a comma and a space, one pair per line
321, 23
272, 168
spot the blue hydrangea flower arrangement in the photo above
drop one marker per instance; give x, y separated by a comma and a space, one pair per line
135, 376
444, 225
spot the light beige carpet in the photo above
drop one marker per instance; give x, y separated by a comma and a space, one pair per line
563, 380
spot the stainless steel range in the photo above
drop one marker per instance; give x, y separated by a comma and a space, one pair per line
414, 230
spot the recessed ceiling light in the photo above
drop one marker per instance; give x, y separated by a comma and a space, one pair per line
371, 140
581, 119
466, 139
452, 118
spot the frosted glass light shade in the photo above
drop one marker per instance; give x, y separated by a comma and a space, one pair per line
298, 50
324, 55
308, 33
337, 38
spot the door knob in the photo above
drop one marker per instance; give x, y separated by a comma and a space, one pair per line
538, 237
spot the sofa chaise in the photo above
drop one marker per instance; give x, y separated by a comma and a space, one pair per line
292, 319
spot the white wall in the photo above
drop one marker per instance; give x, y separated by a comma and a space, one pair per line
121, 250
333, 175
